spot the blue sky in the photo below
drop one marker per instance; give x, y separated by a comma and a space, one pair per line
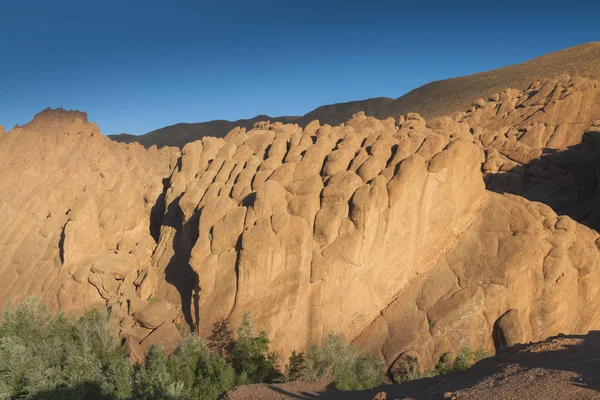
135, 66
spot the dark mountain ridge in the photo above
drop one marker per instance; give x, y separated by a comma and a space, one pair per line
431, 100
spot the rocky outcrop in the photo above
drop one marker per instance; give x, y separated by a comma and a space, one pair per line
519, 272
542, 144
78, 215
286, 220
380, 229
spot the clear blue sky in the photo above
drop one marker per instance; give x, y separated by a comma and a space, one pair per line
135, 66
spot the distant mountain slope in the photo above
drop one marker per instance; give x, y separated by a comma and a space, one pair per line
447, 96
335, 114
431, 100
180, 134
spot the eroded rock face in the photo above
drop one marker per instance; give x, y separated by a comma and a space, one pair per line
381, 230
288, 220
517, 273
77, 213
542, 144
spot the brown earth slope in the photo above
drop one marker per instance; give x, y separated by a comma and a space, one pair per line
432, 100
382, 230
444, 97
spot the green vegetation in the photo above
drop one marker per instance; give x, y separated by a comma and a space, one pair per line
463, 361
47, 357
251, 356
192, 372
338, 363
295, 367
55, 357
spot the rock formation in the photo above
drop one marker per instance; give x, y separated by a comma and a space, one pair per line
411, 237
78, 213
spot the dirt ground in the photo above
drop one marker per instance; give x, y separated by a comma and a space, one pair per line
564, 367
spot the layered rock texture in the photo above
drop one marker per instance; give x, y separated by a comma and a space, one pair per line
413, 238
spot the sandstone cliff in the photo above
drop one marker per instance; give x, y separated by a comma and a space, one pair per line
381, 229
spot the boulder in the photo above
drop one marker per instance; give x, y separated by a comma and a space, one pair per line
155, 314
167, 336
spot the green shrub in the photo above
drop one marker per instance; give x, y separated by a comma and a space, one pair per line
368, 372
4, 391
191, 372
153, 380
339, 363
444, 365
55, 357
47, 356
296, 364
410, 371
464, 359
251, 356
205, 372
221, 338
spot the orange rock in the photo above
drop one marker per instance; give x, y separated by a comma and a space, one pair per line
384, 233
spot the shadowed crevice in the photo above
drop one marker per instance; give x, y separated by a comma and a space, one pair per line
179, 272
566, 180
158, 211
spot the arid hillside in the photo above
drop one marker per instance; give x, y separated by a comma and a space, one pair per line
179, 134
446, 96
432, 100
411, 237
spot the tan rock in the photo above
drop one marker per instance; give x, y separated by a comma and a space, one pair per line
148, 284
155, 314
135, 352
166, 335
381, 232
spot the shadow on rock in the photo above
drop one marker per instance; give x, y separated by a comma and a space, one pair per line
566, 180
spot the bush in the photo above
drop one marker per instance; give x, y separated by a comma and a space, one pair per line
195, 371
444, 365
221, 338
153, 380
46, 357
55, 357
205, 372
463, 361
293, 371
251, 356
339, 363
410, 371
192, 372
